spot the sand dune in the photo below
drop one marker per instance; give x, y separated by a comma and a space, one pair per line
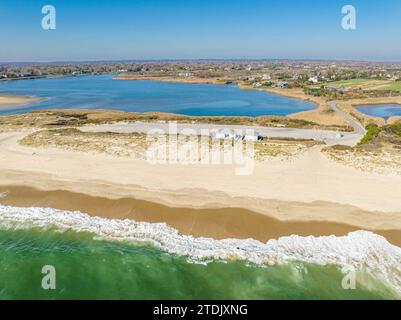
305, 189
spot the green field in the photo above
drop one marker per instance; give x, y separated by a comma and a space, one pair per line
368, 84
393, 87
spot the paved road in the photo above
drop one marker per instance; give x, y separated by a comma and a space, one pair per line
358, 127
329, 137
359, 130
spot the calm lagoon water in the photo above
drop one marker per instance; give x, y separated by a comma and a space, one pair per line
381, 110
100, 92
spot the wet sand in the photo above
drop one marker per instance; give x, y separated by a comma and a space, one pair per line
7, 100
219, 223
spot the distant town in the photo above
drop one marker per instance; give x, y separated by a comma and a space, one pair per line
332, 79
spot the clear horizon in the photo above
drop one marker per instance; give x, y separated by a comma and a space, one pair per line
192, 30
196, 59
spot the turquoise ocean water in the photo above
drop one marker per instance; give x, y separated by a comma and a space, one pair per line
92, 267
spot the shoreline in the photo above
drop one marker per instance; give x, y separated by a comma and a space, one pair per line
390, 120
217, 223
310, 187
189, 80
197, 81
320, 115
306, 196
350, 107
11, 100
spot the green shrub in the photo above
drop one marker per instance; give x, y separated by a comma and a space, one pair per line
267, 84
394, 129
373, 131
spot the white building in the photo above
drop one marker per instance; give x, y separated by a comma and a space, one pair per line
266, 77
185, 74
313, 79
281, 84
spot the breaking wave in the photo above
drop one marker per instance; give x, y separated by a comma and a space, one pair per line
360, 250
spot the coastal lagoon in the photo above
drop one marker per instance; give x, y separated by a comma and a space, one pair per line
384, 111
99, 258
101, 92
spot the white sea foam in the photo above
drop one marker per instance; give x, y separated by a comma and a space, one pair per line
361, 250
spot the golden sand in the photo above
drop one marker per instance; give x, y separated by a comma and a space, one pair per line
309, 188
219, 223
13, 100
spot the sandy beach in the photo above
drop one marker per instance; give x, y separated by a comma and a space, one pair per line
308, 194
14, 100
217, 223
322, 115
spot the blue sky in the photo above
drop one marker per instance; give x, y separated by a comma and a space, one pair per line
184, 29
